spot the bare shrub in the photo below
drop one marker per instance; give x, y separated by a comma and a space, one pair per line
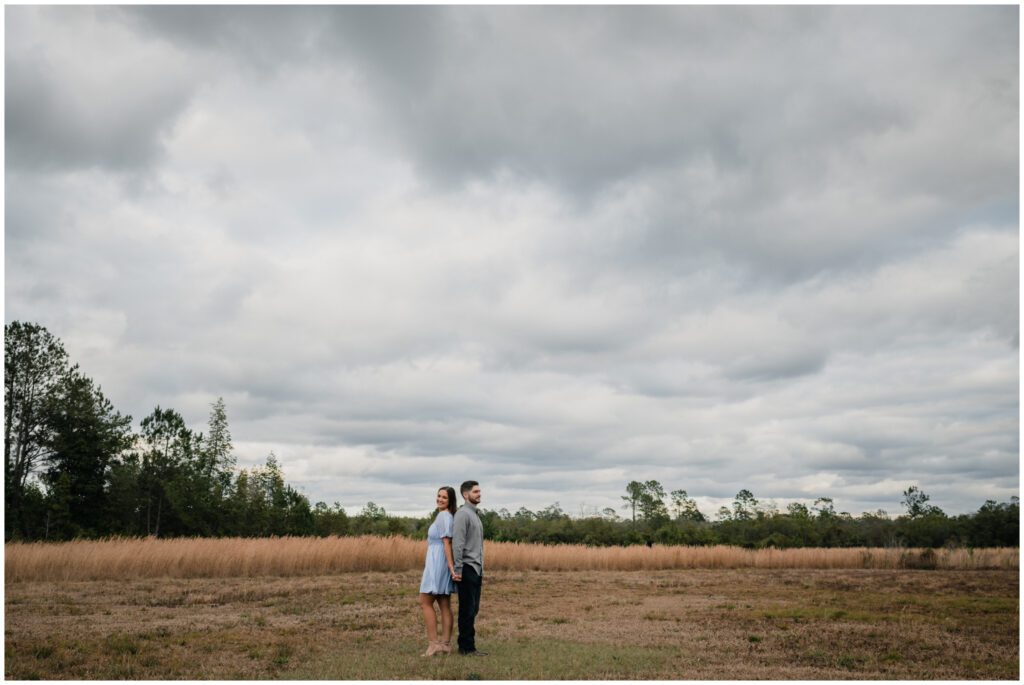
923, 559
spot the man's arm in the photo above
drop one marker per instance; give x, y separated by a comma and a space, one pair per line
458, 542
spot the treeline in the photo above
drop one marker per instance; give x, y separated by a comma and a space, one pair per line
748, 523
752, 524
74, 467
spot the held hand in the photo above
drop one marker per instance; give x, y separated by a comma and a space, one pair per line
457, 577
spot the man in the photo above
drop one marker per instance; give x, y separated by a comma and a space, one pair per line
468, 557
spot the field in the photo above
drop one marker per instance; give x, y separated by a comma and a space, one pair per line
676, 623
124, 558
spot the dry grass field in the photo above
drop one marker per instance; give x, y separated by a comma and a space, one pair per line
289, 556
744, 623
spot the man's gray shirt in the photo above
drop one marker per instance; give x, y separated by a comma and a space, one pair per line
468, 539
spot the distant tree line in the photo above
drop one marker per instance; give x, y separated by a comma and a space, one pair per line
753, 524
75, 467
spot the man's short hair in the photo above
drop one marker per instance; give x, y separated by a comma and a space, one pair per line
467, 486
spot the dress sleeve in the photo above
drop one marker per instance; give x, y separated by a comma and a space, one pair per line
446, 526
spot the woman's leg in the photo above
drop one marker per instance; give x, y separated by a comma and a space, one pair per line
444, 603
429, 615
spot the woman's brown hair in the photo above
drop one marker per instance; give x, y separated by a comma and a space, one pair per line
451, 497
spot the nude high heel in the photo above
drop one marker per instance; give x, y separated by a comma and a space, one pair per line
446, 646
433, 649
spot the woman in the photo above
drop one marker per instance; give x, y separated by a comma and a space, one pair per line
437, 581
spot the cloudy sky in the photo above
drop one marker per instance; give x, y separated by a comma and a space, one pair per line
551, 249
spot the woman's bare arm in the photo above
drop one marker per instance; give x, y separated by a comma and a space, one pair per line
448, 555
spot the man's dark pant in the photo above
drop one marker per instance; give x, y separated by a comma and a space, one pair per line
469, 605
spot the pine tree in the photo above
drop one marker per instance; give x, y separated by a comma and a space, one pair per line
684, 508
744, 507
218, 445
86, 436
166, 441
652, 501
633, 497
35, 366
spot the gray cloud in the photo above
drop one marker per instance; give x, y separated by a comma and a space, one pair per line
553, 248
101, 100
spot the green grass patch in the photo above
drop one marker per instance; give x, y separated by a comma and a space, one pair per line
507, 660
118, 643
283, 654
43, 651
850, 661
979, 605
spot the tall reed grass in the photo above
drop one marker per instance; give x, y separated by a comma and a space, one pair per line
126, 558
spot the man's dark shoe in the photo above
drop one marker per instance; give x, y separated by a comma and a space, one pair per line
473, 653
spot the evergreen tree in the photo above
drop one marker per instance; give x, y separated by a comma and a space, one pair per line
166, 442
35, 366
684, 508
633, 497
85, 437
219, 455
270, 481
126, 498
200, 487
263, 504
798, 510
330, 520
373, 512
744, 507
824, 508
916, 503
552, 512
240, 504
59, 522
997, 524
652, 502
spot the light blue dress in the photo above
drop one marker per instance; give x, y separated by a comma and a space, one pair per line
437, 580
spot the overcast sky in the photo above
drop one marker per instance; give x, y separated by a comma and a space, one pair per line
550, 249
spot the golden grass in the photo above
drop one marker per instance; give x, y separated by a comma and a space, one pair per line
514, 556
122, 558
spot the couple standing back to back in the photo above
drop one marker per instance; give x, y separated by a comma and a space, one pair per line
455, 562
